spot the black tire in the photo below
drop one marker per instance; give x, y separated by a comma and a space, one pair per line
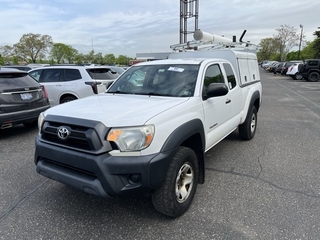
313, 77
175, 196
298, 76
68, 99
248, 129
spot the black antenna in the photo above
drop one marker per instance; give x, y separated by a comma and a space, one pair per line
244, 32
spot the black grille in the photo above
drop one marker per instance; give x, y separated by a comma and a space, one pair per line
88, 173
80, 137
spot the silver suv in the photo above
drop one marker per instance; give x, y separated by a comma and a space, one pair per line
71, 82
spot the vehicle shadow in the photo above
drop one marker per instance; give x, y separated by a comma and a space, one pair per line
15, 131
97, 209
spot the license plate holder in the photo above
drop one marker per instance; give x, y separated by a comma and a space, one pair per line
26, 96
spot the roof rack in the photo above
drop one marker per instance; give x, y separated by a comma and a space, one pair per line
208, 42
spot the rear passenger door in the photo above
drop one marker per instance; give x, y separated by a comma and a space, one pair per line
50, 78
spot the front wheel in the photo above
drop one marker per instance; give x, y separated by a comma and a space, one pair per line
174, 197
247, 129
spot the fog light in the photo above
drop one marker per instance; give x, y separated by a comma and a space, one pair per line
135, 178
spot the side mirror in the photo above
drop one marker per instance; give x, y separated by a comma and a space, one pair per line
216, 90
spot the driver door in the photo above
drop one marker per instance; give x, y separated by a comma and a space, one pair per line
217, 110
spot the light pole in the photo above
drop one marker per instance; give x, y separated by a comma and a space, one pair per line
301, 26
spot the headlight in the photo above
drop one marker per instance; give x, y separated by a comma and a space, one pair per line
40, 121
131, 139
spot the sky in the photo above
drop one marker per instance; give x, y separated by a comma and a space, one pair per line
127, 27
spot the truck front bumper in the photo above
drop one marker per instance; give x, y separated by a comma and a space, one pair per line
102, 175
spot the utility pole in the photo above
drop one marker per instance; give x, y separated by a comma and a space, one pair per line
301, 26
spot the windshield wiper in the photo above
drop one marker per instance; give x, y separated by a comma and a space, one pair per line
155, 94
120, 92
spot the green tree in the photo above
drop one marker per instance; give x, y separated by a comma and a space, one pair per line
1, 60
58, 51
123, 60
89, 58
316, 45
79, 58
7, 53
98, 58
70, 54
110, 59
268, 48
32, 46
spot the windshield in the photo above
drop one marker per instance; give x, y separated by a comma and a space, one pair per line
175, 80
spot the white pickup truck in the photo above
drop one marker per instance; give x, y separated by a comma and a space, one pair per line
149, 132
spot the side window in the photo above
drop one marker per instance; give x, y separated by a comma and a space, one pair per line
230, 75
71, 74
313, 63
213, 75
50, 75
36, 74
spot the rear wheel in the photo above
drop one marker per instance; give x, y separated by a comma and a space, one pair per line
174, 197
68, 99
313, 77
298, 76
247, 129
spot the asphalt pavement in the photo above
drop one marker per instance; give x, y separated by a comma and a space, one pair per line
266, 188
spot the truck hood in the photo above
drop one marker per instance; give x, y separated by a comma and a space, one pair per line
116, 109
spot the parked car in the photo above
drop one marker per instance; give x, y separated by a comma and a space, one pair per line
277, 68
65, 83
310, 70
285, 67
22, 98
293, 71
264, 63
269, 65
19, 67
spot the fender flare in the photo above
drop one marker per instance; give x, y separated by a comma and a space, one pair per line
182, 133
254, 97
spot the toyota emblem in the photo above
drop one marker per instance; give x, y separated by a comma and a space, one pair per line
63, 132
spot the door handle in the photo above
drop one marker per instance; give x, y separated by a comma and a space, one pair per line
228, 101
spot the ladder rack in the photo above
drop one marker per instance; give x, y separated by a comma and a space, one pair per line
207, 42
211, 45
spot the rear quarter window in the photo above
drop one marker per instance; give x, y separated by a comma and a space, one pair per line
71, 74
230, 75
